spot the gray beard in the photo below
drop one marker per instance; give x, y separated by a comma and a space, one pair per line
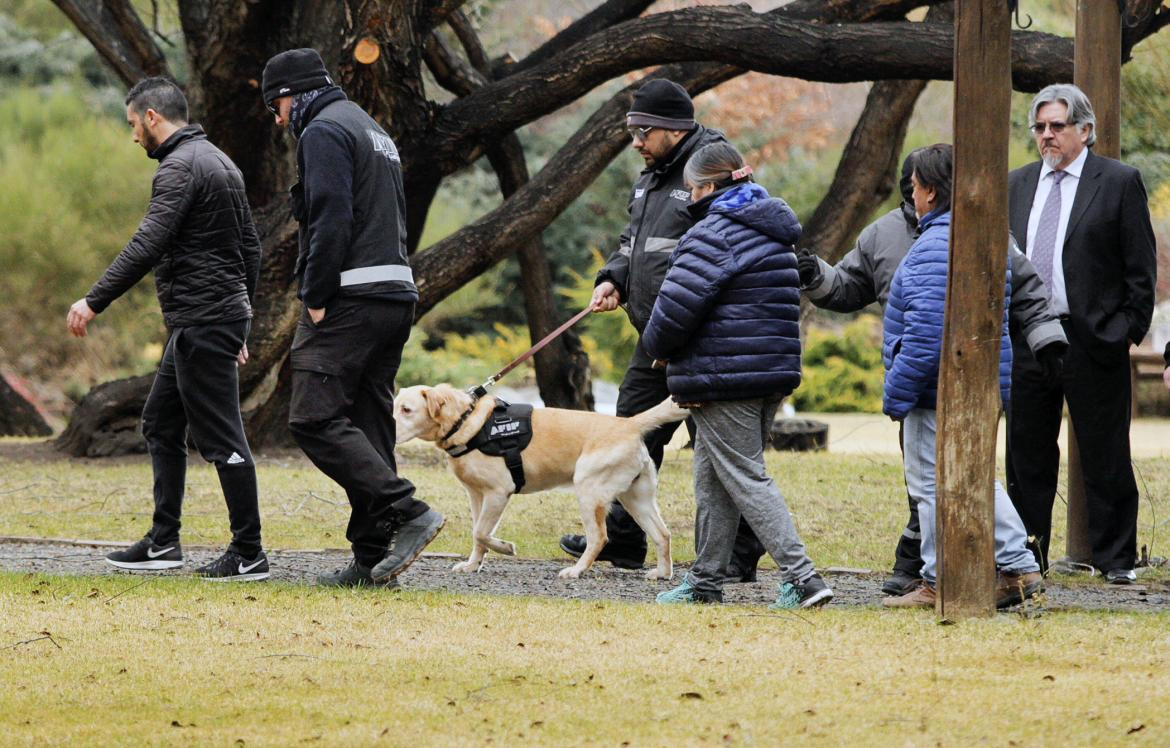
1051, 160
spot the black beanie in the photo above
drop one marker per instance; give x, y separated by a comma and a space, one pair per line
292, 72
662, 103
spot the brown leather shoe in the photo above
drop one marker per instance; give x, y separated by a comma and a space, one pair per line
1013, 589
922, 596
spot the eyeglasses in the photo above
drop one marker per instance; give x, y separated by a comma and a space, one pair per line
1056, 127
640, 133
272, 107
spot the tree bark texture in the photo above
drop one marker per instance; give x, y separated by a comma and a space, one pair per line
227, 43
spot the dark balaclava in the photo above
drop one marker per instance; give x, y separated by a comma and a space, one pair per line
662, 103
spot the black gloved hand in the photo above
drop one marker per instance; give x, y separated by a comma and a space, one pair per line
809, 268
1051, 359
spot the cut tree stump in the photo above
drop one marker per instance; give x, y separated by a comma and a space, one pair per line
105, 422
799, 435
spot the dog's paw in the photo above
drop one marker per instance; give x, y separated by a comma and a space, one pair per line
507, 548
656, 574
570, 573
466, 567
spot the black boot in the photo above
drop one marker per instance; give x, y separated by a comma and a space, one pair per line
621, 556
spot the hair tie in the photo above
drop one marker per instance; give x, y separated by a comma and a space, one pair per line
741, 173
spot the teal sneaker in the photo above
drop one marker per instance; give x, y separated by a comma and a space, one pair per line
810, 593
685, 594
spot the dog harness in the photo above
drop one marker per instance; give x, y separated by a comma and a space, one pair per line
505, 433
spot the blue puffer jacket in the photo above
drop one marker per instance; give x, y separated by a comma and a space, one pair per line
728, 314
913, 327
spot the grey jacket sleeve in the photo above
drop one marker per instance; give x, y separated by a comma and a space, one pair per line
172, 193
1030, 312
848, 285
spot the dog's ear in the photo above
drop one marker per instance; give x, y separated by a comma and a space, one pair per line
434, 401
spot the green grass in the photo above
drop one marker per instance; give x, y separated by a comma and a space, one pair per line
177, 662
301, 508
115, 660
850, 508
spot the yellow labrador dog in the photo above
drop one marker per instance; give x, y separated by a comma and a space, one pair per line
602, 457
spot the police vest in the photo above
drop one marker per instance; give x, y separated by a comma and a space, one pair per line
505, 433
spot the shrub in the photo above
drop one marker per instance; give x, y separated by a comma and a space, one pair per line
842, 369
73, 188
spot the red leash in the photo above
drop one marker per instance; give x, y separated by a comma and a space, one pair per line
482, 389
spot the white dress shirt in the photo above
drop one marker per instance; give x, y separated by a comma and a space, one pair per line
1068, 192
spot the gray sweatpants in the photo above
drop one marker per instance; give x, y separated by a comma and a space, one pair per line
730, 479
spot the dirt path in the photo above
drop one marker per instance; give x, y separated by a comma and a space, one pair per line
538, 578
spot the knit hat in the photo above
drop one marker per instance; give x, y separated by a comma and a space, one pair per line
293, 71
662, 103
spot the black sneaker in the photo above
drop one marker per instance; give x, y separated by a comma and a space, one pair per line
407, 541
621, 557
146, 556
232, 567
900, 582
354, 575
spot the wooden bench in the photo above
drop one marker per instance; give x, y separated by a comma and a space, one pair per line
1144, 365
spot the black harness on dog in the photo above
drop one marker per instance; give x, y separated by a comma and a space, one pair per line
504, 434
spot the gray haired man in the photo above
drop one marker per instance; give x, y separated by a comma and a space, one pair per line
1084, 222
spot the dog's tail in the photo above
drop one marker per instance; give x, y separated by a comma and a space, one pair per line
663, 413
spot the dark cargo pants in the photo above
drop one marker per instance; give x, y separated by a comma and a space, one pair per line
342, 412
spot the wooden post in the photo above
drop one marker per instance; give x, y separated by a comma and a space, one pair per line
1097, 71
968, 394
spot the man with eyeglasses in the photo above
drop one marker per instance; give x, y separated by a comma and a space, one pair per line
1084, 221
663, 131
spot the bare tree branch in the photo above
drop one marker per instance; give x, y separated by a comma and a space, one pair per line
119, 36
450, 71
433, 13
600, 18
472, 47
450, 263
1141, 19
737, 36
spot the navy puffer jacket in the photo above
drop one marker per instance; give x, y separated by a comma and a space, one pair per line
913, 325
728, 315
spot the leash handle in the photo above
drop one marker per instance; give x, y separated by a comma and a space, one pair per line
481, 390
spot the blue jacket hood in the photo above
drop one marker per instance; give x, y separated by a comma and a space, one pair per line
750, 204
